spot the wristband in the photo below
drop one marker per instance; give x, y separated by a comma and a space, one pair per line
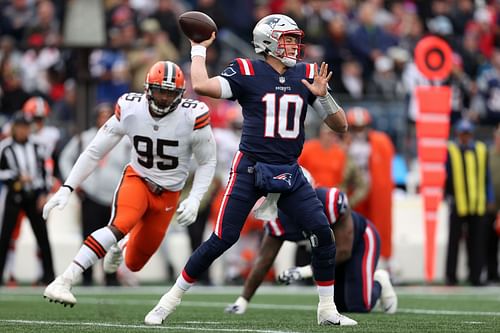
70, 188
329, 104
198, 50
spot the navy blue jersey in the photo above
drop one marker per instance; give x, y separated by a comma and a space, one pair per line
274, 108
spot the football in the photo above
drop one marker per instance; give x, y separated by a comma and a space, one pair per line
197, 26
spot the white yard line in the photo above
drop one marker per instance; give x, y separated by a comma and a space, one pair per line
145, 327
221, 305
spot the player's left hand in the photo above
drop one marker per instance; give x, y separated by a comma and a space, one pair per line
187, 211
320, 81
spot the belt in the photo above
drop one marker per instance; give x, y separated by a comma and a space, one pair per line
153, 187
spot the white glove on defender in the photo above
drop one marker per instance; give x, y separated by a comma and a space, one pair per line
187, 211
59, 200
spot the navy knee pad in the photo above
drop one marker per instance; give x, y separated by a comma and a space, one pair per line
323, 254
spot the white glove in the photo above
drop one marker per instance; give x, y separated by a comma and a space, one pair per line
59, 200
268, 210
187, 211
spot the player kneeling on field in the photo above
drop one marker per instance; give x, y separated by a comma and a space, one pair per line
165, 131
358, 286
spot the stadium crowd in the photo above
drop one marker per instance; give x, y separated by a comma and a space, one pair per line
367, 43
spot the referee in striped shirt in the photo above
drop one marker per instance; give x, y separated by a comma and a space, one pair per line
26, 184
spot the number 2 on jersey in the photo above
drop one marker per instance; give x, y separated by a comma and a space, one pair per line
144, 148
284, 130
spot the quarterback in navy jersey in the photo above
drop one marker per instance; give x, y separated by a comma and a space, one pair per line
274, 94
358, 285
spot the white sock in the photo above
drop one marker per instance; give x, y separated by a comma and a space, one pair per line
325, 294
241, 302
180, 287
94, 248
72, 272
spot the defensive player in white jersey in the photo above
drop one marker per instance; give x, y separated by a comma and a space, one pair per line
165, 131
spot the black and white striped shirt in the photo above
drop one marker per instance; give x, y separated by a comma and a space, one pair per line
27, 158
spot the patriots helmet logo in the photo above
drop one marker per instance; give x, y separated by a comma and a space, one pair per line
286, 176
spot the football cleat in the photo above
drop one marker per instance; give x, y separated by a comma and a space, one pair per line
388, 297
238, 307
328, 315
165, 307
289, 275
113, 259
59, 291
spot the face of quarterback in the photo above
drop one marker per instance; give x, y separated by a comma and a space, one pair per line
290, 46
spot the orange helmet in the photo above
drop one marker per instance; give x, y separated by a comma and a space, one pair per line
358, 116
164, 76
36, 107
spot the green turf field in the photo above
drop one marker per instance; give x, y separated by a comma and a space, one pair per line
274, 310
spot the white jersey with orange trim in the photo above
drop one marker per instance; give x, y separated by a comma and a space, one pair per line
162, 147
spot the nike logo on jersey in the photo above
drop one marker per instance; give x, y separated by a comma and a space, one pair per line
169, 208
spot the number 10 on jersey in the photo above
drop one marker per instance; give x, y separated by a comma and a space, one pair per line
276, 121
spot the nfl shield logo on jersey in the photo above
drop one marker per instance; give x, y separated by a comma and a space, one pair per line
287, 177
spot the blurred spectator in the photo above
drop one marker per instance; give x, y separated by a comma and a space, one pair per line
119, 14
462, 90
45, 23
12, 94
411, 32
472, 58
489, 87
35, 63
468, 191
64, 111
151, 48
166, 14
110, 68
27, 180
336, 47
460, 15
317, 14
382, 17
215, 9
484, 27
441, 26
385, 82
295, 10
369, 41
494, 211
16, 17
352, 82
97, 191
373, 152
8, 51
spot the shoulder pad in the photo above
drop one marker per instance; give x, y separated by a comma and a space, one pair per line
310, 70
239, 66
127, 101
202, 119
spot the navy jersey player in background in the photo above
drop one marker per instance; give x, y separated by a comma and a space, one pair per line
274, 94
358, 286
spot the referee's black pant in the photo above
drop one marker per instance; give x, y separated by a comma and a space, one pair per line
14, 202
472, 228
